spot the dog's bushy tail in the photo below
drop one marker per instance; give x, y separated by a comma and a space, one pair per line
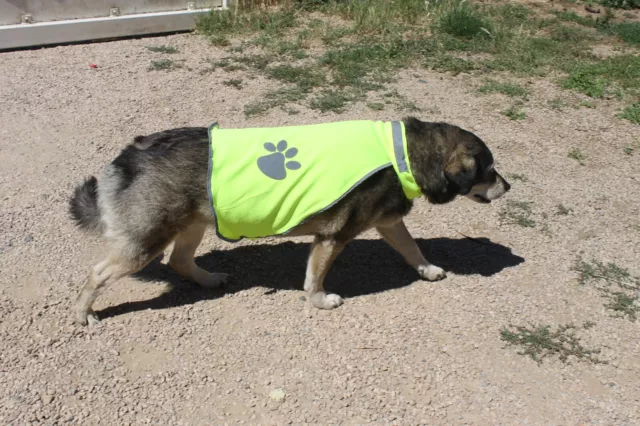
84, 207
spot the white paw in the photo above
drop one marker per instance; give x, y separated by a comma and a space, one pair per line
87, 318
431, 272
322, 300
214, 280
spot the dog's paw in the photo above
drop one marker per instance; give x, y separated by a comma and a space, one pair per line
214, 280
322, 300
87, 318
431, 272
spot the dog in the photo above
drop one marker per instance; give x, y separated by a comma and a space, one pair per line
156, 192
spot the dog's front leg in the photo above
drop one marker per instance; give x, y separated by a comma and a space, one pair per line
323, 253
398, 237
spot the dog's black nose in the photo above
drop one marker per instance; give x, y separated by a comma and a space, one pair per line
506, 186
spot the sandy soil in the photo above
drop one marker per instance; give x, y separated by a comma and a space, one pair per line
399, 351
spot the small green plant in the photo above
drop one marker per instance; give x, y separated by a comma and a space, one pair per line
275, 98
330, 100
630, 149
234, 82
257, 62
623, 305
609, 273
615, 283
557, 104
452, 64
561, 210
584, 81
570, 16
539, 342
627, 31
376, 106
509, 89
631, 113
464, 21
597, 79
515, 113
622, 4
517, 213
517, 176
577, 155
219, 40
164, 65
304, 77
587, 104
163, 49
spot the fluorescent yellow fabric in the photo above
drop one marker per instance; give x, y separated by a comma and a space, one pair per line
265, 181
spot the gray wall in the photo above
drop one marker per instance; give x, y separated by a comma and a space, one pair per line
55, 10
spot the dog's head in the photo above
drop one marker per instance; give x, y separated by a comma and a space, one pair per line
448, 161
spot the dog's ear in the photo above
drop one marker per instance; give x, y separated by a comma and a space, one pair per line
461, 173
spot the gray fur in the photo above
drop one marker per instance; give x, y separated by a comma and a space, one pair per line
155, 192
84, 206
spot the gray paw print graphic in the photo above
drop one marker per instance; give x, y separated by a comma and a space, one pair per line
273, 165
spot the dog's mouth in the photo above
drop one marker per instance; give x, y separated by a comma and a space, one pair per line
480, 199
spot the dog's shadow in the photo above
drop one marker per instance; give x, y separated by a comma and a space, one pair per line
364, 267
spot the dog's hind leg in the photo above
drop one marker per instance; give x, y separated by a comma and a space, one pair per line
323, 253
182, 260
114, 267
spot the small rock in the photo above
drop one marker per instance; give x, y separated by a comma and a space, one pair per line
28, 238
277, 395
302, 298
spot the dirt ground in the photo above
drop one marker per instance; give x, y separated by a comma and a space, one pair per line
399, 351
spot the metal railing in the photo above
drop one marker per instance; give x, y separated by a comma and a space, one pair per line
30, 23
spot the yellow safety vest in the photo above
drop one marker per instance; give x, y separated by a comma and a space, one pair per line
266, 181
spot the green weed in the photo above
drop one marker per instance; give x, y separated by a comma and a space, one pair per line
304, 77
257, 62
455, 65
275, 98
631, 113
376, 106
226, 22
627, 31
163, 49
615, 283
234, 82
517, 176
593, 79
557, 104
622, 4
509, 89
380, 16
517, 213
623, 305
571, 16
539, 342
561, 210
330, 100
219, 40
463, 20
577, 155
163, 65
515, 113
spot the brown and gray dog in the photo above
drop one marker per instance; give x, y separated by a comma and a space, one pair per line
155, 193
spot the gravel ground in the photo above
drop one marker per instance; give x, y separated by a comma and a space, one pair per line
399, 351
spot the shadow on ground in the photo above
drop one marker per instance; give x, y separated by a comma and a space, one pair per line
365, 267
